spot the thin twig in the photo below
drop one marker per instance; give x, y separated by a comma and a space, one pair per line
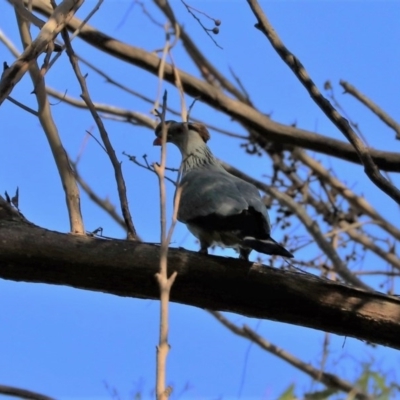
148, 14
383, 115
23, 106
150, 167
125, 114
208, 70
337, 105
178, 84
246, 94
206, 30
187, 119
358, 202
160, 73
341, 123
114, 82
132, 235
105, 204
133, 116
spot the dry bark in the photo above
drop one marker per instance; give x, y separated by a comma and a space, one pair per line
32, 254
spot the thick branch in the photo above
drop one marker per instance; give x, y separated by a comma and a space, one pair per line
247, 115
125, 268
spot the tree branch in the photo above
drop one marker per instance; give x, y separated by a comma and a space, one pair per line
329, 380
383, 115
23, 393
59, 17
370, 168
247, 115
127, 268
71, 190
121, 187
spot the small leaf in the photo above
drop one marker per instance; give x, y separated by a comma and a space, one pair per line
288, 394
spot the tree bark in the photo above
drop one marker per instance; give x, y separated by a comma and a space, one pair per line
32, 254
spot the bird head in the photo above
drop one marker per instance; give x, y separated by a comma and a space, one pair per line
179, 133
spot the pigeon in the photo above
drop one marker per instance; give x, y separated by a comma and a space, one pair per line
217, 207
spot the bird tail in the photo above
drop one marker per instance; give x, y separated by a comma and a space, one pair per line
267, 246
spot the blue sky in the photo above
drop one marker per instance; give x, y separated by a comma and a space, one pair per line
65, 342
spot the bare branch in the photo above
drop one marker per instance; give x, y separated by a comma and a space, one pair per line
341, 123
383, 115
262, 125
327, 379
22, 393
60, 156
102, 203
215, 30
358, 202
128, 115
59, 18
208, 70
388, 256
77, 30
26, 14
132, 235
23, 106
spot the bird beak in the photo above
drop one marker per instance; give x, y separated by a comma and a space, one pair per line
157, 141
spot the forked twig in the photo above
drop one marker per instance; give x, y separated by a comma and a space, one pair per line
215, 30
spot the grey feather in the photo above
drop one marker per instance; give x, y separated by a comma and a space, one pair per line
214, 191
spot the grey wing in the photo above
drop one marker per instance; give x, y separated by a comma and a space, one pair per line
206, 192
253, 197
